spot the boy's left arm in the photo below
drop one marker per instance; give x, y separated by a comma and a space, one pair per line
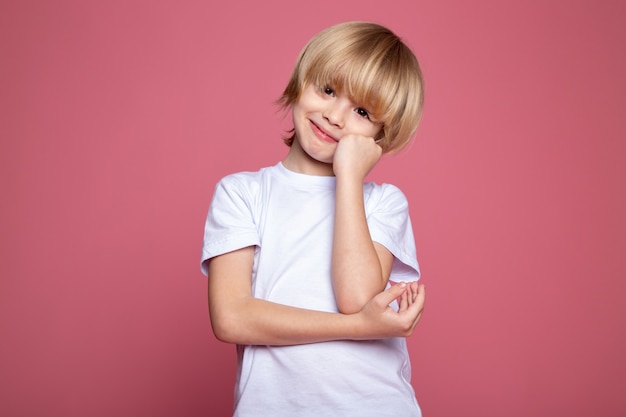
360, 267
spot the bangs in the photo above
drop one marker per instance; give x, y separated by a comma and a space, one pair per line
368, 77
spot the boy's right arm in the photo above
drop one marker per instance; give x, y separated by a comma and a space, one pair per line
238, 317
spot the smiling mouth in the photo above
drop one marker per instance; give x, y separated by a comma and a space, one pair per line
321, 133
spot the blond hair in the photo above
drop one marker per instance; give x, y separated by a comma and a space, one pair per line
373, 67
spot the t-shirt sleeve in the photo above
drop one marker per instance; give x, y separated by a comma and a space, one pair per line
230, 221
390, 225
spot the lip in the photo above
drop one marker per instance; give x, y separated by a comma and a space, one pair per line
321, 133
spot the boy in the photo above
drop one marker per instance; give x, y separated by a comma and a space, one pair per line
299, 255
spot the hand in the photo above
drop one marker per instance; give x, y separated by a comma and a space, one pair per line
356, 155
380, 320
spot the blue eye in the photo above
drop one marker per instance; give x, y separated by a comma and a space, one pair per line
362, 112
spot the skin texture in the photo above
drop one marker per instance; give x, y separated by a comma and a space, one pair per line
334, 136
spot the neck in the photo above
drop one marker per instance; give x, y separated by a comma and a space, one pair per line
299, 161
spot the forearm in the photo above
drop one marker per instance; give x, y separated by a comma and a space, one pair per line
254, 321
356, 269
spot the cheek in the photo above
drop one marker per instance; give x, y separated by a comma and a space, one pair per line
377, 132
296, 113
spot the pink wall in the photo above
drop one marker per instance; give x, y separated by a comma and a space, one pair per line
118, 117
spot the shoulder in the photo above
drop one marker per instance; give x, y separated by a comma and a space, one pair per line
242, 189
245, 180
384, 194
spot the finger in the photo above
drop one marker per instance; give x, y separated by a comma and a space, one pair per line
420, 297
414, 290
392, 293
404, 301
417, 307
410, 291
421, 292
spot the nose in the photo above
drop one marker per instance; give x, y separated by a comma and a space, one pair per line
335, 113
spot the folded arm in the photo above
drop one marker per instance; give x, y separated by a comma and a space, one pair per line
238, 317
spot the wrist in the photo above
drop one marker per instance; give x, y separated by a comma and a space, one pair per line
352, 176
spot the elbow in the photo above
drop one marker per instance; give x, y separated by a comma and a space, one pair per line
348, 305
224, 329
350, 301
349, 310
221, 332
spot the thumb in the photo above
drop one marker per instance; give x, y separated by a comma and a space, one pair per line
393, 292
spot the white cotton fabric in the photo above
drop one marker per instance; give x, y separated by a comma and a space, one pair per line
289, 217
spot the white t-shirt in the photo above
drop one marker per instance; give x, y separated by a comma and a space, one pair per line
289, 217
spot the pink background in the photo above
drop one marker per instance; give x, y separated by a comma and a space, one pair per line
118, 117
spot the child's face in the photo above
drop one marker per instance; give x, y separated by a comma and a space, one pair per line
321, 117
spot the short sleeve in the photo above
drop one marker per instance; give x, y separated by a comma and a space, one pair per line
230, 221
390, 225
